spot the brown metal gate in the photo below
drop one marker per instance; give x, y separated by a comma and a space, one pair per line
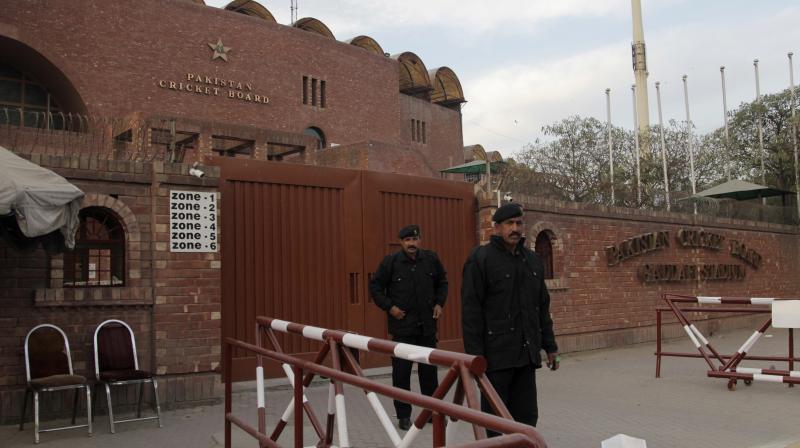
445, 213
299, 241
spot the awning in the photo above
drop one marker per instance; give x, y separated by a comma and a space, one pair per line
741, 191
41, 201
474, 167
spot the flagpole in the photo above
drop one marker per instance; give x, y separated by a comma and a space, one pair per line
638, 151
725, 118
794, 133
663, 146
760, 127
689, 139
610, 144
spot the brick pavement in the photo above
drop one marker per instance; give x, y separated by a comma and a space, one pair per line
595, 396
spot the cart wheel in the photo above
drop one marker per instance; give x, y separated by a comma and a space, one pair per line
748, 382
731, 385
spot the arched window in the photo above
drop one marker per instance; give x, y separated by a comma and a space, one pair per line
544, 248
25, 101
317, 134
99, 255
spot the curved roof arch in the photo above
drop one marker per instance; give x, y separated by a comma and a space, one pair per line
368, 44
315, 26
251, 8
414, 78
474, 152
447, 89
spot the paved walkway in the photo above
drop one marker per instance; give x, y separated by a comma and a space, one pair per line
594, 396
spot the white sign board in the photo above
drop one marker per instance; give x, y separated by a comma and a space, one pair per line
193, 221
786, 314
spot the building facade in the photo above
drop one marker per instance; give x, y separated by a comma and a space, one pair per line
227, 81
125, 99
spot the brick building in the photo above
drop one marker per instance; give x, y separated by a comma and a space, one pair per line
123, 98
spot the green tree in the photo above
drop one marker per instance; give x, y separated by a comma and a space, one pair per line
574, 163
745, 154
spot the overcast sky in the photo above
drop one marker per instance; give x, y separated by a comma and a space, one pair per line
527, 63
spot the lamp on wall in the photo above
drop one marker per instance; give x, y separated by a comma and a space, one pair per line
195, 171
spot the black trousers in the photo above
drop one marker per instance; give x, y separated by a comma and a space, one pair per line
517, 388
401, 373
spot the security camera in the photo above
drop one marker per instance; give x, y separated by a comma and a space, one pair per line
196, 172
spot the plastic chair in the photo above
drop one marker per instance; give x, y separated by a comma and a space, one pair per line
48, 368
116, 364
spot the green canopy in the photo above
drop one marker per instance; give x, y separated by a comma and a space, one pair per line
741, 191
474, 167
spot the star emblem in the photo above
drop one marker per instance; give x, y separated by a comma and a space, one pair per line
220, 50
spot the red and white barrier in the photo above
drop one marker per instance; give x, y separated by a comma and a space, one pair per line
336, 399
785, 311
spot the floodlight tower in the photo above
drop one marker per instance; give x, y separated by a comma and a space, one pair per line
640, 71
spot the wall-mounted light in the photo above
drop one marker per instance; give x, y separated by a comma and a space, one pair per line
195, 171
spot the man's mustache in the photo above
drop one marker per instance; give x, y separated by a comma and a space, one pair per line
411, 247
516, 234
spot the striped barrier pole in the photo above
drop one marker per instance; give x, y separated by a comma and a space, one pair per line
748, 344
750, 370
331, 414
423, 416
287, 414
341, 409
699, 335
373, 400
473, 402
458, 399
685, 323
299, 399
476, 364
787, 379
716, 300
262, 411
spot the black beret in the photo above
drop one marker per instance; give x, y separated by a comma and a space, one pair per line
409, 231
507, 211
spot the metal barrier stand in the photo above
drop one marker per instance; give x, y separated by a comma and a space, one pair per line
466, 372
728, 364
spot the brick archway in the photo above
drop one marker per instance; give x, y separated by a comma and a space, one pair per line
558, 253
126, 216
132, 236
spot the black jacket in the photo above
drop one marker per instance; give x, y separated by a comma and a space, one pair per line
414, 286
496, 326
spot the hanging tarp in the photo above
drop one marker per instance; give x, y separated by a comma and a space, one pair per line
40, 200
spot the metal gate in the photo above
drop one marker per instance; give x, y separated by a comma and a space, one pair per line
299, 243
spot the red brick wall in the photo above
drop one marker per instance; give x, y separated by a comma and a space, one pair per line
444, 145
116, 56
612, 303
171, 300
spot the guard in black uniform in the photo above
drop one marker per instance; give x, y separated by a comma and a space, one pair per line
411, 286
505, 314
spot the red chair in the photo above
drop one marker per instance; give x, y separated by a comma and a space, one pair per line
116, 364
48, 368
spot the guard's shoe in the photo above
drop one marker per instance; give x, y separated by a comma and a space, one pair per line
404, 423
